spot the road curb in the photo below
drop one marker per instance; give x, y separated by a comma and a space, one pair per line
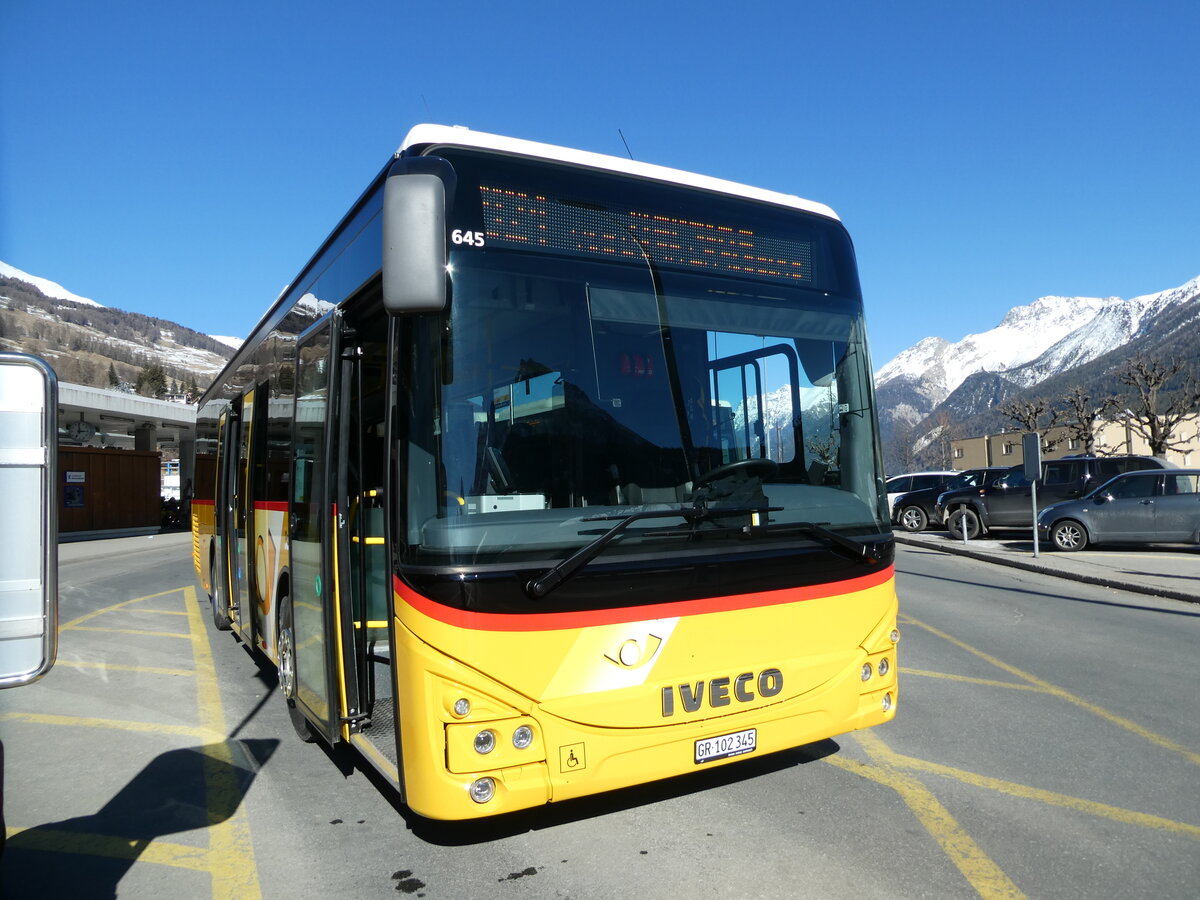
1031, 565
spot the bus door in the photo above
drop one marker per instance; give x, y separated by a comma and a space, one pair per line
362, 554
310, 640
243, 517
225, 520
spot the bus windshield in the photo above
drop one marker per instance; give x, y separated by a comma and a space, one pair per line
614, 347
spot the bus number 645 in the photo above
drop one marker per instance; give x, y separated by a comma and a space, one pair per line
471, 238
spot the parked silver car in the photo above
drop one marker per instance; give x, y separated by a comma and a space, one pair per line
1138, 507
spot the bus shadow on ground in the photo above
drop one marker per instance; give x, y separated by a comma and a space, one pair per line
453, 834
189, 789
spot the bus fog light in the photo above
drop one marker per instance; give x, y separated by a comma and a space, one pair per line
867, 671
462, 706
522, 737
483, 790
485, 742
887, 702
884, 667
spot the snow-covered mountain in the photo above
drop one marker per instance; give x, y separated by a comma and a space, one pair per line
50, 288
56, 291
1030, 344
92, 344
1047, 347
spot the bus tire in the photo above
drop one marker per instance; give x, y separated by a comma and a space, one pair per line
287, 670
219, 614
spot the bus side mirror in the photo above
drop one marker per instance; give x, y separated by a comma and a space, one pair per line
28, 518
416, 195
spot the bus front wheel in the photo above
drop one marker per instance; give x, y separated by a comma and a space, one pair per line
220, 616
287, 670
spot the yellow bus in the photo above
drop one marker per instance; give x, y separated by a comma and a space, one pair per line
554, 473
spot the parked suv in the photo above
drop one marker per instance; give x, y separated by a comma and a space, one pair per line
1006, 502
914, 511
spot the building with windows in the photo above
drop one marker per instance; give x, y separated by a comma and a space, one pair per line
1111, 438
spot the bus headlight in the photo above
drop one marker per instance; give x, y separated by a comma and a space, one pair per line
884, 667
867, 671
522, 737
483, 789
462, 706
485, 742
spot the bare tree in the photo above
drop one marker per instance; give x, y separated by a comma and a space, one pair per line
900, 449
944, 434
1029, 413
1082, 414
1161, 396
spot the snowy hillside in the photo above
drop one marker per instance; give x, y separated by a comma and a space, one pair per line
50, 288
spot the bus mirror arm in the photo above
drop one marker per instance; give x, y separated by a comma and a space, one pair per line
416, 194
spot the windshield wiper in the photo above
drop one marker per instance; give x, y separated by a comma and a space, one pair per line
839, 542
539, 587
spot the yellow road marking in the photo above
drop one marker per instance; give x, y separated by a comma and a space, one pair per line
880, 751
116, 667
113, 608
987, 682
139, 631
114, 724
235, 871
1063, 694
179, 856
988, 879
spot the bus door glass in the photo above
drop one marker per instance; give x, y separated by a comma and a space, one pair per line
243, 515
308, 604
225, 573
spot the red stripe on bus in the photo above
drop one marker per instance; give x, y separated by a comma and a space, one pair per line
557, 621
202, 503
271, 505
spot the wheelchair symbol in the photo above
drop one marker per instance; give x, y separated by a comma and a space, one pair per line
571, 758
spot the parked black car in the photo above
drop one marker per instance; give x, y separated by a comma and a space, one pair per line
1007, 502
1144, 507
914, 511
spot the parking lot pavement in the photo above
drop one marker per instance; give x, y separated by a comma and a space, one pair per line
1160, 570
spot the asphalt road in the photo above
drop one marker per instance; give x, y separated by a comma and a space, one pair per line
1046, 745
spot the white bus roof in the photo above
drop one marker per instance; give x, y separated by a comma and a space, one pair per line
459, 136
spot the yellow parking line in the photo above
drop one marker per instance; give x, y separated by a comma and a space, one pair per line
1117, 814
1063, 694
179, 856
138, 631
116, 667
987, 878
235, 871
73, 623
114, 724
160, 612
986, 682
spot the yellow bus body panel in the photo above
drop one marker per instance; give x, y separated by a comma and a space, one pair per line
595, 694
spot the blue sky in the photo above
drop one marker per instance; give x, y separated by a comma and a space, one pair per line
184, 160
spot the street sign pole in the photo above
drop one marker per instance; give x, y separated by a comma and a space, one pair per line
1032, 445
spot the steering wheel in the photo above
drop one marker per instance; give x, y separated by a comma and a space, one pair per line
758, 465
